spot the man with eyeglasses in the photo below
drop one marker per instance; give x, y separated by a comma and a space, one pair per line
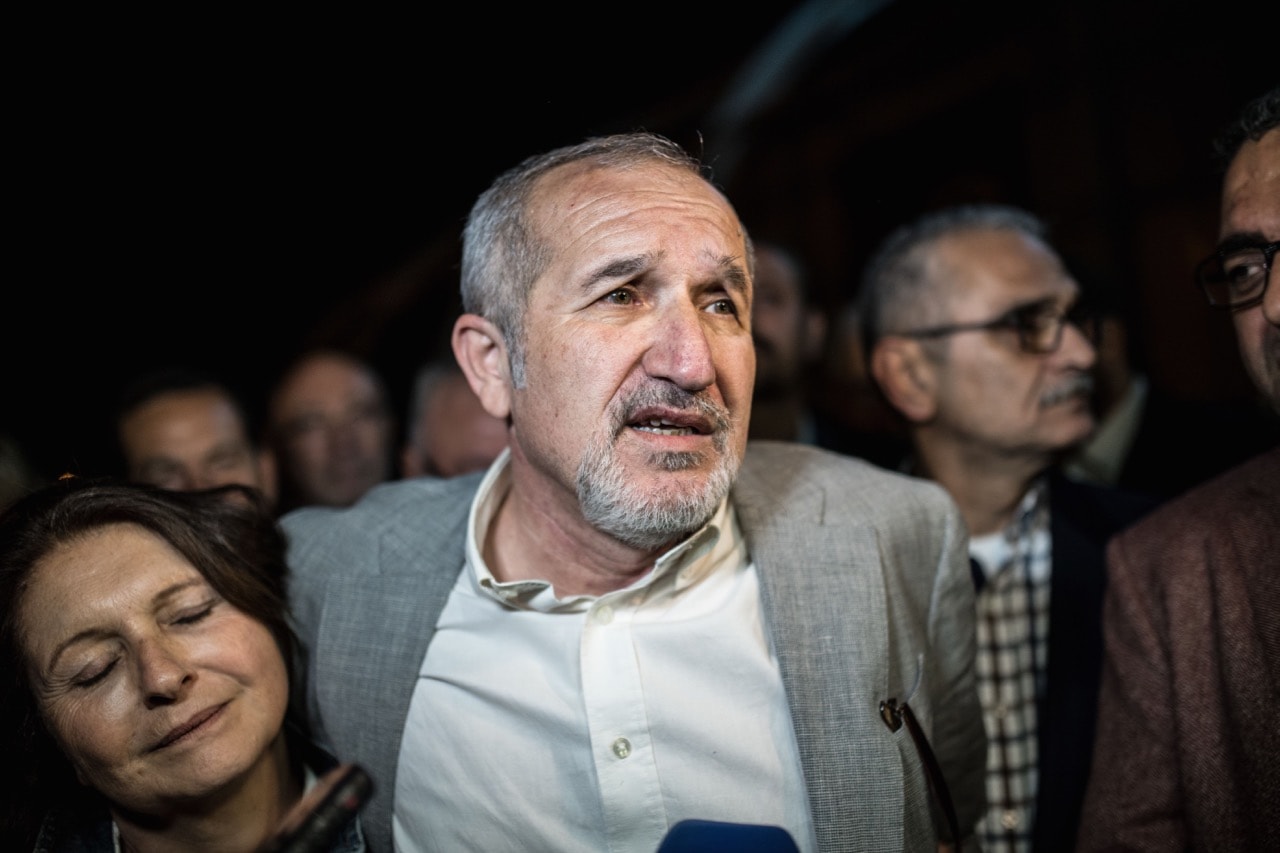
1188, 748
976, 336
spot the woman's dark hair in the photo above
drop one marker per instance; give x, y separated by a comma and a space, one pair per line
228, 534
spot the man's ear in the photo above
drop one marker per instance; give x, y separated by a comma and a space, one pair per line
481, 352
906, 376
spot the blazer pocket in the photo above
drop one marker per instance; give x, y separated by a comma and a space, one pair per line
898, 715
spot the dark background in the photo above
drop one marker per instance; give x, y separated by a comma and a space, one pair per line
224, 190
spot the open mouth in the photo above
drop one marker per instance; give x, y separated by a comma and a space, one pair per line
658, 426
670, 423
667, 412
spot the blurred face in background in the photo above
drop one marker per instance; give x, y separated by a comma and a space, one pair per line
332, 428
454, 434
192, 439
787, 333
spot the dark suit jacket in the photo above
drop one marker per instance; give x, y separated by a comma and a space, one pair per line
1183, 443
1188, 747
1082, 517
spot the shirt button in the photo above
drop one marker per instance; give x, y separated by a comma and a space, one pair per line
1009, 819
1000, 711
622, 747
604, 615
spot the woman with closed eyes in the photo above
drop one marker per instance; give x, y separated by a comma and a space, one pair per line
145, 650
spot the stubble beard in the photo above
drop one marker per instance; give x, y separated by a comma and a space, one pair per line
1264, 369
650, 518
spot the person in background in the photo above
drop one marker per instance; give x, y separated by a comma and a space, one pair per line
145, 655
330, 425
788, 332
798, 395
975, 336
181, 428
448, 432
1189, 713
633, 617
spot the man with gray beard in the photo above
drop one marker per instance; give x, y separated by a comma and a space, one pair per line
632, 619
976, 337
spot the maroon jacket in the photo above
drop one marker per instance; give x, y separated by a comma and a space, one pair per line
1187, 755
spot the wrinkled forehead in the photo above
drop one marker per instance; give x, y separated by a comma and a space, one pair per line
587, 186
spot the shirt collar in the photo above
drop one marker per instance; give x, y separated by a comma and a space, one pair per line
994, 551
683, 565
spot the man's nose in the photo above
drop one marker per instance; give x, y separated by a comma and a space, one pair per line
1271, 296
681, 349
1077, 348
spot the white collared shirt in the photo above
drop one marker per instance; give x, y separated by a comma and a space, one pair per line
595, 723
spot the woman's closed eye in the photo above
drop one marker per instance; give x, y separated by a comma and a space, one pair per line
191, 617
94, 673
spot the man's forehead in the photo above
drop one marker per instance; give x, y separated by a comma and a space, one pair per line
573, 184
1251, 189
323, 382
1000, 260
589, 194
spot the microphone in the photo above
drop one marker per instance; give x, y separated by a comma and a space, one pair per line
711, 836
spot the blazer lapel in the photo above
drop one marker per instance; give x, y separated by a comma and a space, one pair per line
377, 671
833, 658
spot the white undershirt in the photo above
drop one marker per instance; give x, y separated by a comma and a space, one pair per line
595, 723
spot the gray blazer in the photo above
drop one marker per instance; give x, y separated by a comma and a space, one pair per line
866, 593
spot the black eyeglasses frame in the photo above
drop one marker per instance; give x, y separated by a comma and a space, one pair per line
1208, 282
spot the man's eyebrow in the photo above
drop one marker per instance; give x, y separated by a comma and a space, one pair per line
617, 269
1241, 240
734, 273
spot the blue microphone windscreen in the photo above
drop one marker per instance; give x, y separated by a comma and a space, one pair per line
709, 836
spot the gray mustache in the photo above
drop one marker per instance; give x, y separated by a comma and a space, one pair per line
1075, 385
673, 397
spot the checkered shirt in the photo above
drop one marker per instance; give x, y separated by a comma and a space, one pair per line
1012, 572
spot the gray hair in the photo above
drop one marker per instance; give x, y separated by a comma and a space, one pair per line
896, 288
502, 255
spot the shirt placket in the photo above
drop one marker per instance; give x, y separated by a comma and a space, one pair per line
622, 749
